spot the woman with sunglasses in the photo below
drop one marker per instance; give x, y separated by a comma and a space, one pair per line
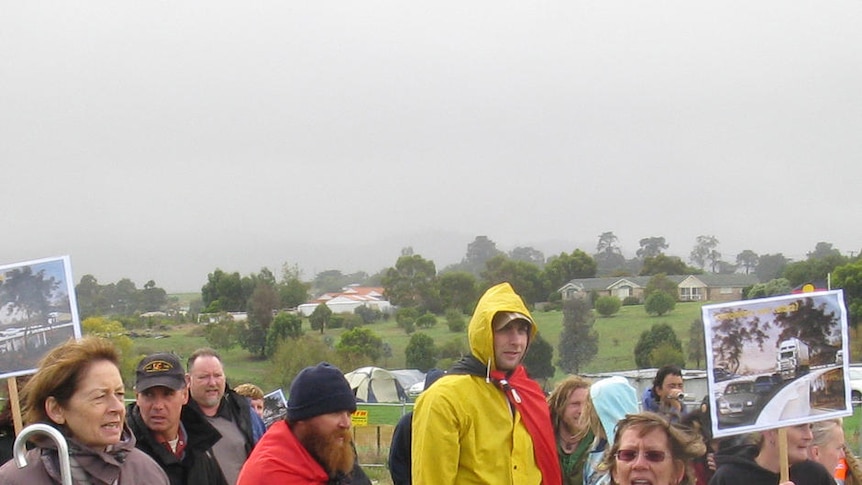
756, 461
649, 449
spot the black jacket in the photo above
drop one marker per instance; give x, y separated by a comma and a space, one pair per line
737, 466
198, 466
399, 451
237, 409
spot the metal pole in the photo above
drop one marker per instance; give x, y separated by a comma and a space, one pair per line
20, 451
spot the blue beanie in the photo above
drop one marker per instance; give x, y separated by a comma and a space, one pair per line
321, 389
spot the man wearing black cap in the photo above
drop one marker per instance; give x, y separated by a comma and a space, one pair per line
314, 444
175, 436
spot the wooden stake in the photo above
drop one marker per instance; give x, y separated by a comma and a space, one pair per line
12, 385
782, 455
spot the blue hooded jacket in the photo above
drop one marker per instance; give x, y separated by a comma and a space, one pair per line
612, 398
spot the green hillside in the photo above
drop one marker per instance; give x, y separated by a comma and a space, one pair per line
617, 338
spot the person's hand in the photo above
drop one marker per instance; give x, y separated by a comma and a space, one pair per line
710, 461
674, 400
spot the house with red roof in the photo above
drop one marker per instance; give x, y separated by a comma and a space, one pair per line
349, 299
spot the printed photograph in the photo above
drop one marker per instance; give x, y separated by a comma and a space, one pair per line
37, 312
274, 407
777, 361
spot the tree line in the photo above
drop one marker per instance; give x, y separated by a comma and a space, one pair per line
423, 294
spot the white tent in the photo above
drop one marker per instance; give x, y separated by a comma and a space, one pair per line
408, 377
375, 384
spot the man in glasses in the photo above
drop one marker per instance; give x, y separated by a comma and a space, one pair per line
486, 421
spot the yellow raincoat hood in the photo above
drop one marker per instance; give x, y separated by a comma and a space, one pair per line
480, 332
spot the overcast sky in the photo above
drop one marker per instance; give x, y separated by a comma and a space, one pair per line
161, 140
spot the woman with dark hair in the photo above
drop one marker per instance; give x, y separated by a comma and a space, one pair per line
78, 390
649, 449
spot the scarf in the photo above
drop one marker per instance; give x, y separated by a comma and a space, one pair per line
89, 466
280, 455
528, 399
577, 457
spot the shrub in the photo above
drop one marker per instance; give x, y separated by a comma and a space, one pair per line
419, 353
406, 318
607, 305
368, 314
455, 320
337, 320
631, 301
666, 354
427, 320
661, 334
453, 349
659, 303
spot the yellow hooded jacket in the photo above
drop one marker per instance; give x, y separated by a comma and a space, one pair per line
464, 431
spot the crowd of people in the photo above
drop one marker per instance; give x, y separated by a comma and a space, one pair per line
484, 421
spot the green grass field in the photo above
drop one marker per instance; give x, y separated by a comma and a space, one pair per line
617, 338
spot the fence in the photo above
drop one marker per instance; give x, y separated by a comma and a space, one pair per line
373, 425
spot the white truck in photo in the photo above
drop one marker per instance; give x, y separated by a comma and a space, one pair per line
794, 358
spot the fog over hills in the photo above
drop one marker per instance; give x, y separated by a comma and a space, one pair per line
162, 140
184, 269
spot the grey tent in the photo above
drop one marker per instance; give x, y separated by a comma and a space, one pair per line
375, 384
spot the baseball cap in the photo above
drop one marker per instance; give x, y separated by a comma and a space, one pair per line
161, 369
501, 319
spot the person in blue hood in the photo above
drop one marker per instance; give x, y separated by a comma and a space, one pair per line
610, 400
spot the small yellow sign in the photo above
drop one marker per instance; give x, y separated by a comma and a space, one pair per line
359, 418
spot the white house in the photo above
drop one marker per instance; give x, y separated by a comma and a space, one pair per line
348, 300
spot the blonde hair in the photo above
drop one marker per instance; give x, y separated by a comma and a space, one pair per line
60, 372
559, 398
249, 390
589, 421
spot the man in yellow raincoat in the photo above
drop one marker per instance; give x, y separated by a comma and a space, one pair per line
486, 421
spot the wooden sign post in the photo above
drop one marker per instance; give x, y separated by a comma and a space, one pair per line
12, 385
782, 455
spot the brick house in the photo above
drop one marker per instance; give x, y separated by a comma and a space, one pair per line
702, 287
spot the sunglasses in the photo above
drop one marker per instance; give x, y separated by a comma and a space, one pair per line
653, 456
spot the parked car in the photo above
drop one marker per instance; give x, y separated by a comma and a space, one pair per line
765, 384
856, 385
738, 404
721, 374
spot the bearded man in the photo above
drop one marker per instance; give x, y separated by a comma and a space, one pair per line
314, 445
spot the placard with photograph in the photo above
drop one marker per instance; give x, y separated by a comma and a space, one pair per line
37, 312
274, 407
778, 361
